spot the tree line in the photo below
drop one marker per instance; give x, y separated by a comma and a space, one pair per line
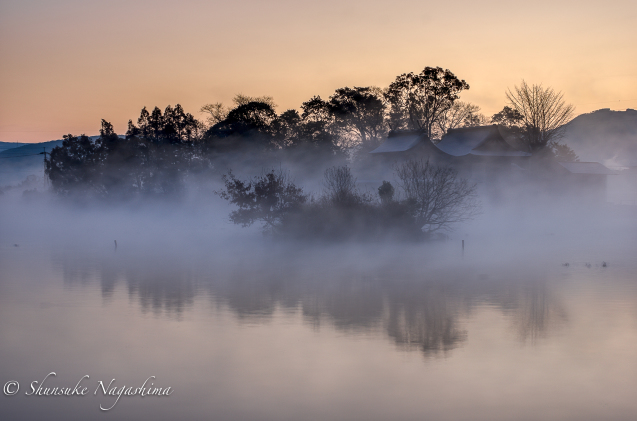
161, 149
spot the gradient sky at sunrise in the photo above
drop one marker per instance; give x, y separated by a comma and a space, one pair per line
66, 64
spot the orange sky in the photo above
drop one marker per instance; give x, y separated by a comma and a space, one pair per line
66, 64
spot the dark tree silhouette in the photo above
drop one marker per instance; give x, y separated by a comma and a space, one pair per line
359, 113
269, 198
418, 101
108, 167
510, 124
508, 117
317, 126
73, 166
288, 128
562, 152
174, 126
153, 158
249, 118
250, 124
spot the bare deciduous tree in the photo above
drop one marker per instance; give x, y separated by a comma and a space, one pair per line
240, 99
544, 114
439, 198
340, 187
460, 114
217, 112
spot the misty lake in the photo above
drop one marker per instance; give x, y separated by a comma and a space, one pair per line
525, 324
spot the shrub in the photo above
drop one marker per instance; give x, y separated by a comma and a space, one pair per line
269, 197
386, 193
432, 198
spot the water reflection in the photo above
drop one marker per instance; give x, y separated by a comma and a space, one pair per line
537, 311
417, 306
162, 286
425, 318
168, 289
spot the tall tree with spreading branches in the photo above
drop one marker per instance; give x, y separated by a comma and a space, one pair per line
419, 101
544, 114
359, 113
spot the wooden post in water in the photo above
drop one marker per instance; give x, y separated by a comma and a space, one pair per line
462, 248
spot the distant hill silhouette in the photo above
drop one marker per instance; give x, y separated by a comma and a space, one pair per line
10, 145
605, 136
34, 148
19, 162
16, 164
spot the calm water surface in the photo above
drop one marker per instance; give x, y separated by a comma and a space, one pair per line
295, 332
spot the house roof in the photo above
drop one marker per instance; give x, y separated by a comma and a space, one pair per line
399, 142
587, 168
483, 140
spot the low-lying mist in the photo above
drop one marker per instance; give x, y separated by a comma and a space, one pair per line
513, 221
167, 256
529, 293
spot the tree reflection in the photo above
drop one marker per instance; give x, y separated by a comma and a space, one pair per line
167, 288
534, 306
417, 308
538, 311
160, 285
425, 318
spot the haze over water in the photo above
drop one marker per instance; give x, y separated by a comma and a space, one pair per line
242, 327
